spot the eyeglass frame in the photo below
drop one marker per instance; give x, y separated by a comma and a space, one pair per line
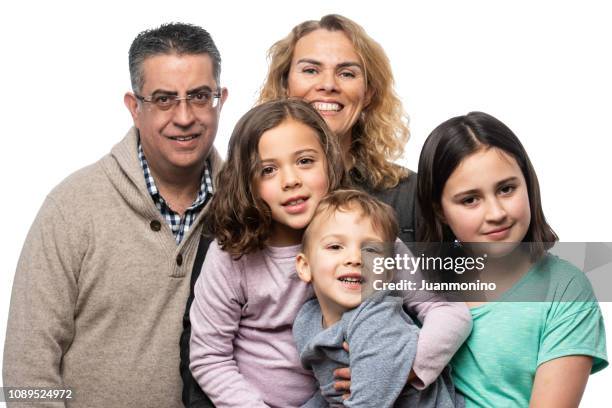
187, 98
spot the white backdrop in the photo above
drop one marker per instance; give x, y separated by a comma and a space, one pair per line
543, 69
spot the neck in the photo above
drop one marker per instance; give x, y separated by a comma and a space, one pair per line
179, 187
283, 235
516, 261
505, 272
345, 148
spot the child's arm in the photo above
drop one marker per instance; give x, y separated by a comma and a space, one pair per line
303, 332
445, 326
559, 383
383, 346
572, 343
215, 316
316, 401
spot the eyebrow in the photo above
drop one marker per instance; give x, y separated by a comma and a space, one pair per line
297, 153
475, 190
332, 236
367, 240
189, 92
347, 64
309, 150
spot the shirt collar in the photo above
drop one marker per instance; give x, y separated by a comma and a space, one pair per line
205, 180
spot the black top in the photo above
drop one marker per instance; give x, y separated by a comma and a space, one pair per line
402, 198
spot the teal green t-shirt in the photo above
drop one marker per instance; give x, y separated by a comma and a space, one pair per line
496, 365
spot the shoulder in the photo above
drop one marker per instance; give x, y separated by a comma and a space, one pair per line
379, 302
72, 199
402, 198
221, 275
567, 282
375, 313
573, 322
220, 259
408, 183
563, 269
79, 185
402, 195
254, 264
215, 161
404, 191
306, 323
307, 312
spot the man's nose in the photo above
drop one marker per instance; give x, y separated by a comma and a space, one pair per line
183, 114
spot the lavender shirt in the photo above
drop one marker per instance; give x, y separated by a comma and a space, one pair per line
242, 349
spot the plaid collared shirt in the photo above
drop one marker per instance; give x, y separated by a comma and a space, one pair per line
178, 225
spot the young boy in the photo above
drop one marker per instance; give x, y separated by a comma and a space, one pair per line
350, 229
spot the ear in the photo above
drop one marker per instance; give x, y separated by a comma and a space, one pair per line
224, 94
131, 103
303, 268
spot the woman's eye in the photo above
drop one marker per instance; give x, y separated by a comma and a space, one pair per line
347, 74
508, 189
309, 71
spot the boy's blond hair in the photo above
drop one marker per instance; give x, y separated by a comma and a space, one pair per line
380, 214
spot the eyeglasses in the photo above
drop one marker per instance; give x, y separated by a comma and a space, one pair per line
200, 100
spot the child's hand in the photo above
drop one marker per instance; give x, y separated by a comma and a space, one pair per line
343, 376
343, 383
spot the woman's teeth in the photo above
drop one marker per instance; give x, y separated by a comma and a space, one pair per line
326, 106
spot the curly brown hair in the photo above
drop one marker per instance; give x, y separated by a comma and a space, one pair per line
381, 133
238, 218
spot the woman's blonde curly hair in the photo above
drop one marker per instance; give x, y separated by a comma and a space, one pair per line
381, 133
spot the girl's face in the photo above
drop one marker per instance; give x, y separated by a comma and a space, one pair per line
486, 200
327, 73
293, 178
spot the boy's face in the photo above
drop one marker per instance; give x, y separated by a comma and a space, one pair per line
339, 245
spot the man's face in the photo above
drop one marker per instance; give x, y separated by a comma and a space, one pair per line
181, 137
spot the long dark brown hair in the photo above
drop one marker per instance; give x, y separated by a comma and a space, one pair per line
238, 218
443, 151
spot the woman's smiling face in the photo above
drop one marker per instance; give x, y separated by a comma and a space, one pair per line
327, 73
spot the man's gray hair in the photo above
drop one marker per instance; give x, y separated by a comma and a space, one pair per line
172, 38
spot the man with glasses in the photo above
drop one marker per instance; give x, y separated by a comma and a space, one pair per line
101, 285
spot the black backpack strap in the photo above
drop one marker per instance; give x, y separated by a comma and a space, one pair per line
193, 396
